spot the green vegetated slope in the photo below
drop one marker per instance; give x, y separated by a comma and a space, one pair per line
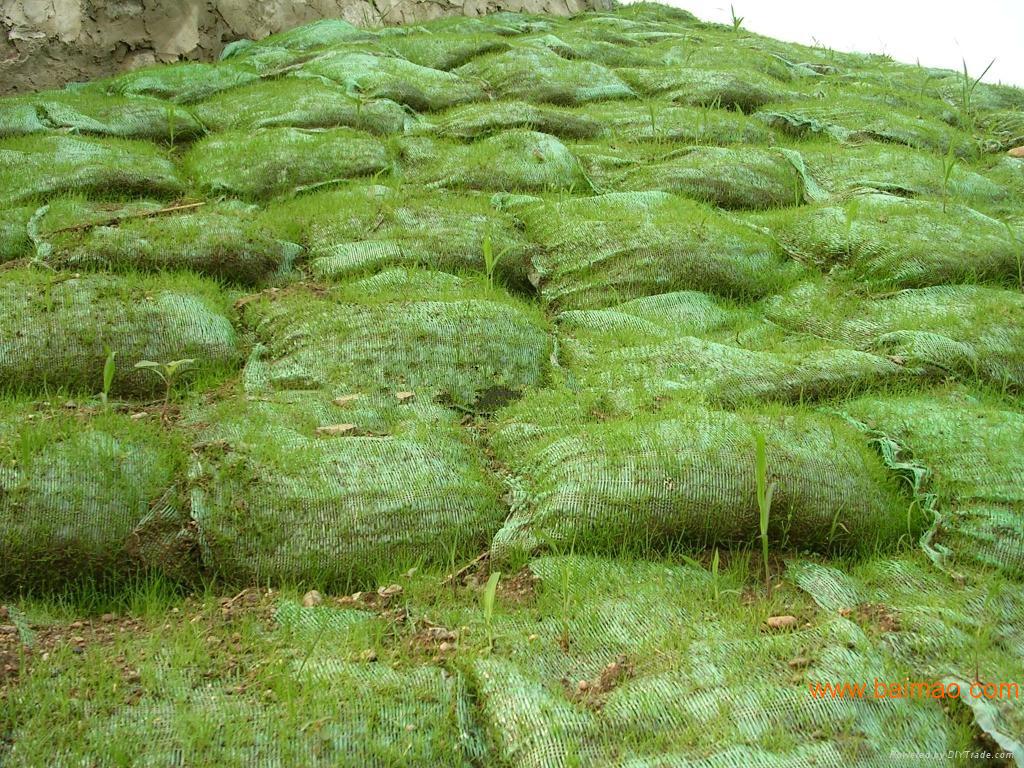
714, 343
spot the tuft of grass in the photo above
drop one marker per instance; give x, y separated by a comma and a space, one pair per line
737, 21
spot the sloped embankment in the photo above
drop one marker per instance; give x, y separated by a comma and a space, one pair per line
623, 300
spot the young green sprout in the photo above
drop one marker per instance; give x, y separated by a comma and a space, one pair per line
765, 490
168, 373
109, 368
491, 259
490, 591
737, 21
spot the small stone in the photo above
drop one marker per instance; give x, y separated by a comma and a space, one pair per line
390, 591
70, 404
106, 618
1016, 152
77, 639
335, 429
368, 655
404, 397
75, 625
531, 638
132, 676
312, 598
582, 685
345, 400
782, 622
410, 727
845, 612
138, 415
445, 647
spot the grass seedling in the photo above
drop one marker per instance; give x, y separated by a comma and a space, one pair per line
765, 489
948, 164
714, 575
109, 368
168, 372
490, 591
967, 86
491, 259
737, 21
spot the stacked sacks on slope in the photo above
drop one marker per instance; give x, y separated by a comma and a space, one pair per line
972, 451
294, 488
57, 329
602, 250
225, 241
685, 475
366, 229
659, 347
430, 333
299, 103
511, 161
41, 166
85, 495
275, 161
962, 330
537, 74
894, 241
90, 112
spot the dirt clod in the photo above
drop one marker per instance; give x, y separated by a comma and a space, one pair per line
782, 622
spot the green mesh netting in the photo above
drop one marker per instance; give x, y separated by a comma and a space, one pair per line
666, 705
475, 120
977, 471
424, 332
602, 250
400, 485
446, 51
660, 120
56, 330
367, 229
969, 331
520, 161
224, 241
299, 103
537, 74
388, 77
687, 474
183, 83
959, 633
277, 160
906, 243
744, 91
605, 349
854, 117
84, 496
744, 177
90, 112
900, 170
42, 166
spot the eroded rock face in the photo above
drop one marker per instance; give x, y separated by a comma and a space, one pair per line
47, 43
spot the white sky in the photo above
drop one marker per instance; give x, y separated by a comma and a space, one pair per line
939, 33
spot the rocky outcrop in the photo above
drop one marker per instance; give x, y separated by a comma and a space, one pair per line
47, 43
